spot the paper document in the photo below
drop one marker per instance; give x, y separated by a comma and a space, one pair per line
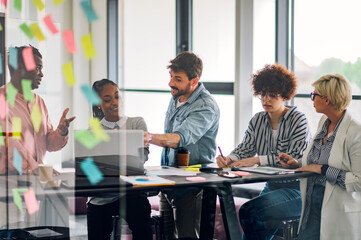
169, 171
268, 170
141, 181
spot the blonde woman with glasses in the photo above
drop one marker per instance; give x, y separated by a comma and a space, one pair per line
331, 201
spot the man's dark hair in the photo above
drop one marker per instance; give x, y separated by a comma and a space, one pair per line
98, 87
274, 79
20, 57
189, 63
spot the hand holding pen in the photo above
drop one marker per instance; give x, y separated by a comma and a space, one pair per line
223, 161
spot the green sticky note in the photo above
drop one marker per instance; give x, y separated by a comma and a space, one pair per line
56, 2
17, 4
39, 4
2, 142
11, 94
35, 29
17, 197
1, 27
98, 129
35, 117
16, 128
86, 138
25, 28
88, 46
28, 94
92, 172
69, 73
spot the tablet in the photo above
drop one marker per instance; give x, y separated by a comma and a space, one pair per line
267, 170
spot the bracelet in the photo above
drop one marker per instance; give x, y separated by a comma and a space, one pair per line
150, 137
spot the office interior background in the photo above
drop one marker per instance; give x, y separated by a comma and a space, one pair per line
135, 39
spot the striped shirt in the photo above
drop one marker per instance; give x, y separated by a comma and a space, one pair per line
319, 154
292, 137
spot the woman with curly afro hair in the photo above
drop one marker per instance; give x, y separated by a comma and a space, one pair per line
277, 129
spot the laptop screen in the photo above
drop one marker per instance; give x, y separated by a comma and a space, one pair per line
122, 154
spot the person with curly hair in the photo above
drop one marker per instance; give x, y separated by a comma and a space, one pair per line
278, 129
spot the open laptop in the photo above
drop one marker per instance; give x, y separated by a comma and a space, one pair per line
123, 154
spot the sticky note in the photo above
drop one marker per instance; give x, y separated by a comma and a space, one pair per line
92, 172
17, 197
98, 129
25, 28
29, 142
39, 4
68, 37
240, 173
35, 117
5, 2
11, 94
2, 142
17, 5
1, 27
16, 128
48, 20
13, 57
56, 2
196, 179
86, 138
28, 94
90, 95
30, 200
88, 47
88, 10
28, 58
34, 27
69, 73
18, 162
1, 64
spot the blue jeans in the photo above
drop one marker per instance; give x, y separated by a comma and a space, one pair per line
312, 230
261, 217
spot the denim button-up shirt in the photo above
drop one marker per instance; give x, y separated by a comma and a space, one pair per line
196, 121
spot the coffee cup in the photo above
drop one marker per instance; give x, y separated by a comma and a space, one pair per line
45, 173
182, 157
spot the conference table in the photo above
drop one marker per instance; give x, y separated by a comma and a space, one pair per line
213, 185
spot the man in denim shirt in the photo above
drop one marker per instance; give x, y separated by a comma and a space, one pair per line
191, 122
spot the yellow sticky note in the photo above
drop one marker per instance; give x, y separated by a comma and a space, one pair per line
88, 46
1, 27
26, 85
98, 130
11, 94
39, 4
34, 27
35, 117
86, 138
69, 73
16, 128
56, 2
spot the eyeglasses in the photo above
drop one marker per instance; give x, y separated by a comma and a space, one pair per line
313, 95
268, 95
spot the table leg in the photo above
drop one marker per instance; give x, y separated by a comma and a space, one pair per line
208, 213
229, 214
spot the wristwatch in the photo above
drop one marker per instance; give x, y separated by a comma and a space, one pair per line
150, 137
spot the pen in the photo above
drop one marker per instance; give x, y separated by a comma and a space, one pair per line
220, 151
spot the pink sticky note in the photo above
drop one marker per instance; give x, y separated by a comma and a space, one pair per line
240, 173
68, 37
29, 58
3, 107
50, 24
29, 142
5, 2
196, 179
31, 202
